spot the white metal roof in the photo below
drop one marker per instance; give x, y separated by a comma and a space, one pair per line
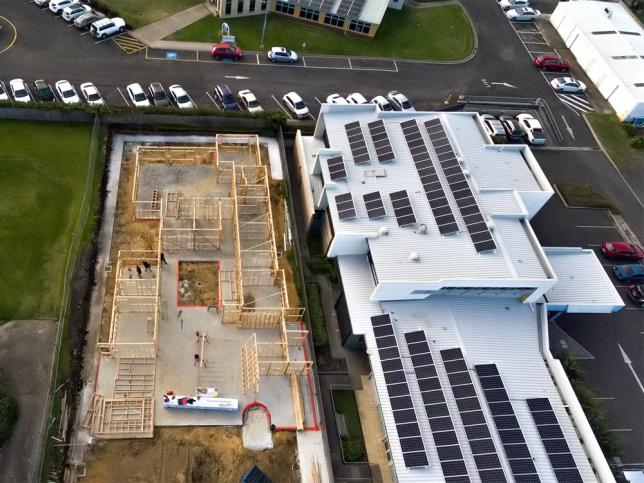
622, 49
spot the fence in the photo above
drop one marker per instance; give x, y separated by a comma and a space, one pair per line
72, 255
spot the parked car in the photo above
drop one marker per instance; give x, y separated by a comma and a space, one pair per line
91, 94
551, 62
19, 90
137, 95
71, 12
83, 21
43, 91
248, 101
281, 54
513, 4
336, 99
620, 250
568, 84
226, 51
107, 26
57, 6
158, 95
493, 126
512, 130
382, 104
636, 293
295, 104
41, 3
356, 98
532, 129
226, 98
180, 97
3, 93
399, 101
630, 274
523, 14
66, 92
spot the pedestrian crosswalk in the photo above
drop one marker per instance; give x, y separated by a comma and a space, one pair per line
579, 103
129, 44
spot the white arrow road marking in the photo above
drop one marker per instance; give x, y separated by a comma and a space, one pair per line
236, 77
568, 128
503, 84
629, 363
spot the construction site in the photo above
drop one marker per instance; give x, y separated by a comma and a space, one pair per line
200, 322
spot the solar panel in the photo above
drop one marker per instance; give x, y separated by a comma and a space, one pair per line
413, 448
476, 427
351, 8
402, 208
429, 178
345, 206
337, 171
507, 425
470, 211
357, 143
440, 422
374, 204
380, 138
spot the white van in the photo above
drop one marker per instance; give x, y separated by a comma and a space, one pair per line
107, 26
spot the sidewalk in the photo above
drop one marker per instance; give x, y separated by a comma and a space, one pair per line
156, 31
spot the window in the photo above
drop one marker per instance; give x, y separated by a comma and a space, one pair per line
360, 26
240, 6
310, 14
334, 20
251, 7
229, 6
262, 5
284, 7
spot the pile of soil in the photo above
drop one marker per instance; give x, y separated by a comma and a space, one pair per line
198, 283
206, 454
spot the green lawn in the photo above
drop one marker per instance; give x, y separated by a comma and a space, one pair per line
615, 140
138, 13
344, 402
434, 33
583, 195
44, 168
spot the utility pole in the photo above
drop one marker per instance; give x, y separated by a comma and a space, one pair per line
268, 7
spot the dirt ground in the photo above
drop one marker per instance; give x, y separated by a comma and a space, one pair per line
203, 283
191, 455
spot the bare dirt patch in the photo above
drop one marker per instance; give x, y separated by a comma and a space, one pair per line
198, 283
194, 455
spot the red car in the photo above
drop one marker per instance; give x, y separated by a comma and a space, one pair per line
552, 62
226, 51
619, 250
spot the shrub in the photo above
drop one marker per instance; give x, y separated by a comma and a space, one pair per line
637, 142
8, 415
629, 129
353, 450
316, 315
322, 265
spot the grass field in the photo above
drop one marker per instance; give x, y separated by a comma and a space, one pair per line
138, 13
436, 33
583, 195
615, 140
344, 402
44, 168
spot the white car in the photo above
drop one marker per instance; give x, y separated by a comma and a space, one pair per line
57, 5
400, 101
295, 104
382, 104
67, 92
336, 99
19, 90
91, 94
281, 54
523, 14
568, 84
180, 97
532, 129
248, 101
41, 3
107, 26
137, 95
513, 4
73, 11
3, 92
356, 98
492, 125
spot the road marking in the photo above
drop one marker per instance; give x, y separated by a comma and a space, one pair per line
304, 61
124, 98
537, 43
629, 363
213, 101
568, 128
257, 56
594, 245
604, 398
86, 32
350, 66
107, 39
236, 77
282, 107
574, 104
318, 100
597, 226
634, 308
620, 430
15, 35
502, 84
583, 103
565, 148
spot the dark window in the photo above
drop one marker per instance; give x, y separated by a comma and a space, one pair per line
334, 20
251, 7
310, 14
284, 7
229, 6
262, 4
360, 26
240, 6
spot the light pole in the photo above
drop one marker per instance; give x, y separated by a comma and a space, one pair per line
261, 42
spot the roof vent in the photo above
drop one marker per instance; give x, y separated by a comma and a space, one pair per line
383, 231
422, 229
608, 12
413, 256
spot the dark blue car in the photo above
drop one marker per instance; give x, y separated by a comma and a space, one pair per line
631, 274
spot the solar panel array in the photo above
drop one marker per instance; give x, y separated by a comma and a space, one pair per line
337, 170
351, 8
411, 442
440, 422
553, 441
507, 425
467, 205
374, 204
325, 5
380, 138
476, 428
429, 178
345, 206
357, 143
402, 208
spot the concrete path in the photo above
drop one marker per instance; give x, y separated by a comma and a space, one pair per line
169, 25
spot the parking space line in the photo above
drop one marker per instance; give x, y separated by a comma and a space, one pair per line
304, 61
124, 98
536, 43
350, 66
257, 57
85, 33
107, 39
596, 226
281, 107
213, 101
318, 100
